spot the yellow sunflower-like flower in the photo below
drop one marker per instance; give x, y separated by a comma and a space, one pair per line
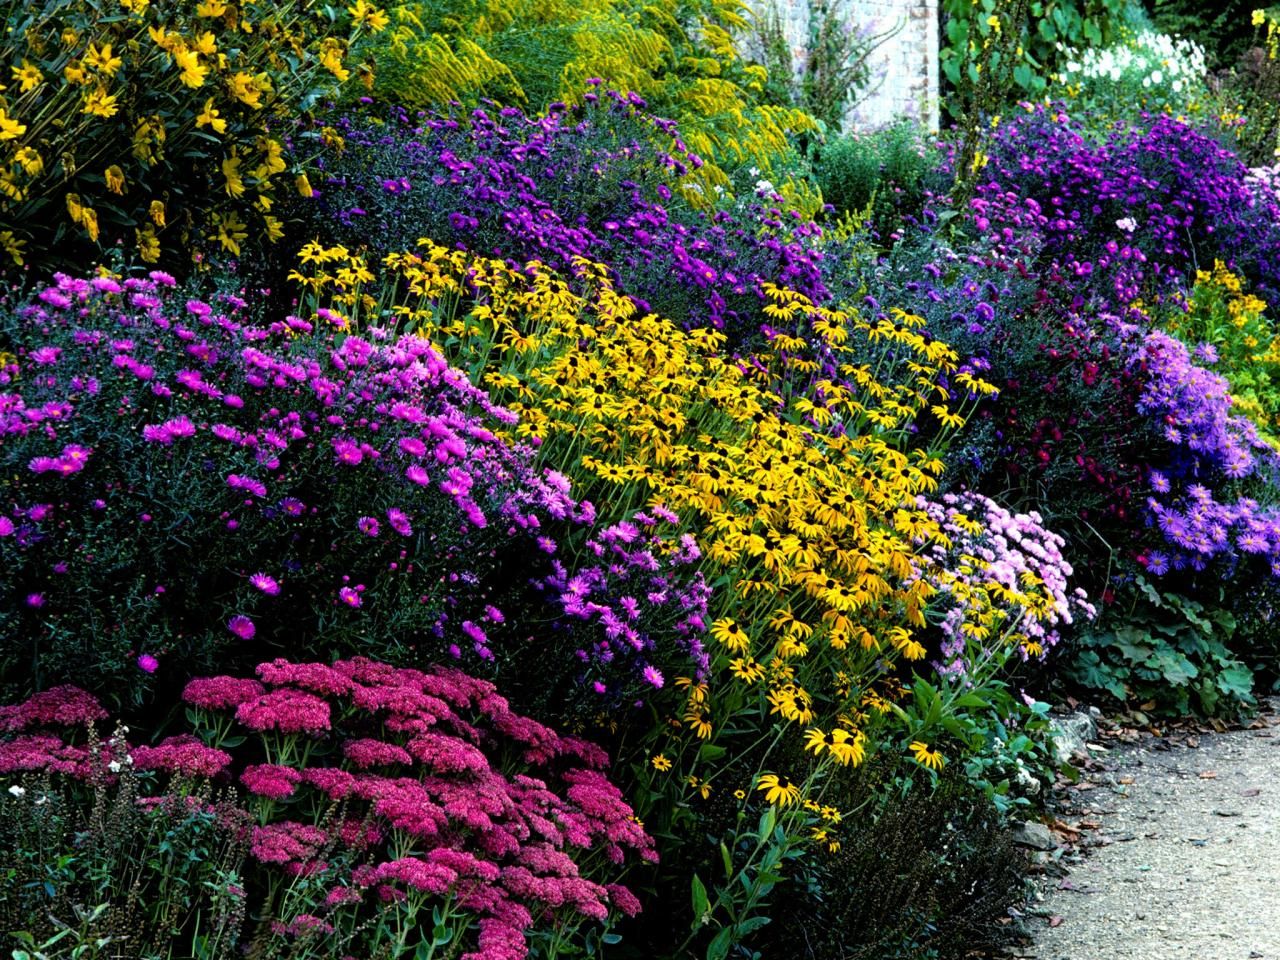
661, 763
932, 759
778, 790
730, 634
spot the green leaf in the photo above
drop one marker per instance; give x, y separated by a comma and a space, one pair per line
752, 924
701, 904
718, 948
1236, 681
727, 857
1023, 76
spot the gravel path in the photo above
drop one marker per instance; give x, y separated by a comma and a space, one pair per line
1187, 858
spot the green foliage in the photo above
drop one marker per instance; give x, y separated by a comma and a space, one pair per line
92, 879
681, 56
1248, 94
1169, 655
883, 172
928, 876
1042, 30
148, 127
1223, 28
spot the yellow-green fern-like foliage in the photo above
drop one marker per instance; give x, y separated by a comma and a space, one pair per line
679, 55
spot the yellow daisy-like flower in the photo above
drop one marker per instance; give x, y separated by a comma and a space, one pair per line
210, 9
27, 76
102, 60
231, 231
148, 244
193, 71
661, 763
99, 103
209, 117
932, 759
30, 160
778, 790
10, 129
156, 211
730, 634
700, 787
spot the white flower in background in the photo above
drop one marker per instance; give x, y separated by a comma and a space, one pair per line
114, 766
1128, 224
17, 791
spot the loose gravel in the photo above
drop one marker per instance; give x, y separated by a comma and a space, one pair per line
1187, 858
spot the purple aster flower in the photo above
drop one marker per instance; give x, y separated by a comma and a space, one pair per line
147, 663
242, 627
368, 526
349, 596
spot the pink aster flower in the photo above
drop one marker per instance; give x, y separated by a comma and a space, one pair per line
368, 526
147, 663
267, 584
349, 596
399, 521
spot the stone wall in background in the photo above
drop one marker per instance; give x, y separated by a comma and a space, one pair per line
904, 66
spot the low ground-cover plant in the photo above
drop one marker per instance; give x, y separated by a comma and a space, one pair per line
151, 129
187, 489
389, 812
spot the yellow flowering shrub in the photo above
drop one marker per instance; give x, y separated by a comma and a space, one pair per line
156, 126
682, 59
1225, 317
802, 501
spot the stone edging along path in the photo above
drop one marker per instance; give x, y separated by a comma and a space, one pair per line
1186, 858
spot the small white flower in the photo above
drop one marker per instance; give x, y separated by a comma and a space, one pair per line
114, 766
42, 800
17, 791
1128, 224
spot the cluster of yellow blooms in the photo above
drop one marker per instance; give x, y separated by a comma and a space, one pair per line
1220, 313
803, 503
96, 102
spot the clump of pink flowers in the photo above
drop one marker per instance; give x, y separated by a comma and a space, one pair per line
450, 802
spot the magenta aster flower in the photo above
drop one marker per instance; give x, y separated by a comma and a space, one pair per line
242, 627
399, 521
368, 526
349, 596
267, 584
147, 663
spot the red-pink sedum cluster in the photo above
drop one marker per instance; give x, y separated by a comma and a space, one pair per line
447, 797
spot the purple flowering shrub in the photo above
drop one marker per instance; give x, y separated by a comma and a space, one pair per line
577, 182
379, 806
1214, 499
184, 488
1113, 219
